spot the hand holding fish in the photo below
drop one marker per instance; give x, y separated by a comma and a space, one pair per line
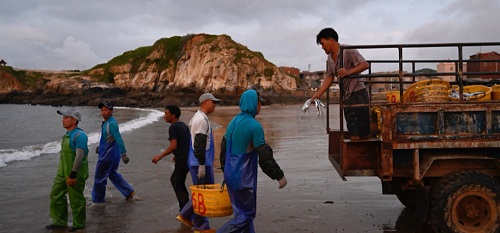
316, 102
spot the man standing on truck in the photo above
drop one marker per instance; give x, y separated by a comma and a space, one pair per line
354, 90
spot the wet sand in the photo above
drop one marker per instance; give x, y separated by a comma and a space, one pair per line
315, 199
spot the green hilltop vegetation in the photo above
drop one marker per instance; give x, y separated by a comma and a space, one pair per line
174, 50
29, 79
430, 73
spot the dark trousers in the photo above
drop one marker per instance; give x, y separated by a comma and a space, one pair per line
178, 180
358, 118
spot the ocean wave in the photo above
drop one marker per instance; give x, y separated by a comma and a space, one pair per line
31, 151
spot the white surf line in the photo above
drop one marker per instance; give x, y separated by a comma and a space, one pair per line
28, 152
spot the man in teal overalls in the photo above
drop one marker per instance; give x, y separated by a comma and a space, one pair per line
242, 147
71, 175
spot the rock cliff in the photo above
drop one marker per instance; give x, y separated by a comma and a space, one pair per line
9, 83
175, 66
199, 62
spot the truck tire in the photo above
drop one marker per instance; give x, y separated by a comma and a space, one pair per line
466, 201
407, 197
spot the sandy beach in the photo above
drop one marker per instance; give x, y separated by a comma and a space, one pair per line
315, 199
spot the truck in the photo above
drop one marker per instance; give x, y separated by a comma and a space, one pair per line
439, 156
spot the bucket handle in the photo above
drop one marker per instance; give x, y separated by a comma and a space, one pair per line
221, 186
201, 182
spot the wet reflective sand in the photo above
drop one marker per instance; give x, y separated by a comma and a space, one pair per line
315, 199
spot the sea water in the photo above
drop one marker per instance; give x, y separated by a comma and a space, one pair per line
28, 131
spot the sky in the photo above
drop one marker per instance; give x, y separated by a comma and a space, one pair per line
68, 35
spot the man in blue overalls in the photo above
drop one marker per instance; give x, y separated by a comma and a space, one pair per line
242, 143
71, 175
200, 159
111, 149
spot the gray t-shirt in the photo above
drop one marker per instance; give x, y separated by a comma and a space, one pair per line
352, 58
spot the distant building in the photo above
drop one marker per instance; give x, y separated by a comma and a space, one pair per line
449, 67
493, 66
3, 63
313, 79
390, 83
295, 72
446, 67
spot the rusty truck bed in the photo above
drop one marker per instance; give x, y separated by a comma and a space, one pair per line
429, 129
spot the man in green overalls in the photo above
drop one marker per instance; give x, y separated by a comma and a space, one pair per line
71, 175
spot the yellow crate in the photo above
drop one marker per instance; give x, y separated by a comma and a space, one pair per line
432, 96
211, 200
376, 119
430, 90
495, 92
393, 97
485, 96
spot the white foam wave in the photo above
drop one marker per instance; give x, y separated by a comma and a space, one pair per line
28, 152
142, 121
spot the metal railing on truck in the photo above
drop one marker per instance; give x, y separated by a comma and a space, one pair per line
370, 78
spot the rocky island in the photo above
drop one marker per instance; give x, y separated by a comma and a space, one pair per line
173, 70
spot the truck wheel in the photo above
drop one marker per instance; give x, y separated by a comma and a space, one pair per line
466, 201
407, 197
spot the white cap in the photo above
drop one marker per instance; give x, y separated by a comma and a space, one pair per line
71, 113
208, 96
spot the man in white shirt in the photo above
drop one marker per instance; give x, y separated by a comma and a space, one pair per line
200, 159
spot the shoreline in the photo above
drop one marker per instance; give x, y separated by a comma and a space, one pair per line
147, 99
315, 199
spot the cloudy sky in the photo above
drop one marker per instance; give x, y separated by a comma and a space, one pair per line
69, 34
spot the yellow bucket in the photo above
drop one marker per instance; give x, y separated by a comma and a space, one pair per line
392, 97
495, 92
211, 200
485, 96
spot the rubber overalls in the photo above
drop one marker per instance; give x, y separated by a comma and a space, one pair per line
199, 222
240, 175
58, 200
107, 166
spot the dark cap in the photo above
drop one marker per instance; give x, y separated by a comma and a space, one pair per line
262, 100
259, 98
71, 113
107, 105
